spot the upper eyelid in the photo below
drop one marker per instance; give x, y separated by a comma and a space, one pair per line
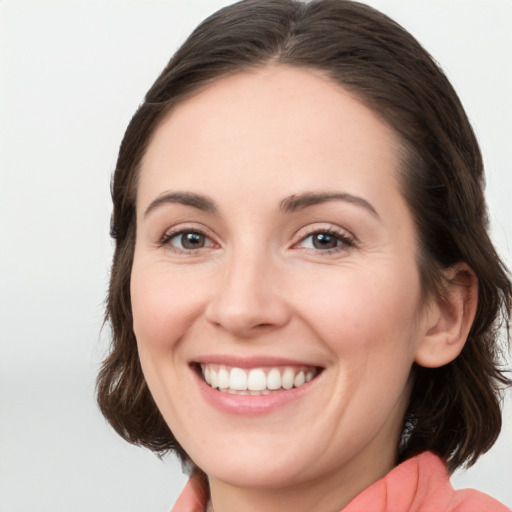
345, 237
166, 242
190, 227
323, 228
299, 235
173, 231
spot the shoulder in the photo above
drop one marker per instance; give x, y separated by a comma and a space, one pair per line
421, 484
194, 497
470, 500
438, 485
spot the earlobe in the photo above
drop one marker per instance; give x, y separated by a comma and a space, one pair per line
449, 318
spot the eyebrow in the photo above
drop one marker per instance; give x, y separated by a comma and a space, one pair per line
290, 204
301, 201
186, 198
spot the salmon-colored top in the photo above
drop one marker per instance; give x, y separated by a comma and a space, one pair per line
420, 484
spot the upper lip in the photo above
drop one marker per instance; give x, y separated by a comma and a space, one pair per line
250, 362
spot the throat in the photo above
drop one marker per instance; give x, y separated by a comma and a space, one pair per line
301, 498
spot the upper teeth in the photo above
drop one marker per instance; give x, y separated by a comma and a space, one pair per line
257, 380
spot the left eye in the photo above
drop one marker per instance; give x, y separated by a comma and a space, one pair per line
189, 241
324, 241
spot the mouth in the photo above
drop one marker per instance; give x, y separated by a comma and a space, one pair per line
256, 381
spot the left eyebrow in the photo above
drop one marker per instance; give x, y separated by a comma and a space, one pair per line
300, 201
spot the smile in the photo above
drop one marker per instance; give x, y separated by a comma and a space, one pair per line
256, 381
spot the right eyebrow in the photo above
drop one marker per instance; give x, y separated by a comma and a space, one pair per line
186, 198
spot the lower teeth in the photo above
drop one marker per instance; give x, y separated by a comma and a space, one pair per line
245, 392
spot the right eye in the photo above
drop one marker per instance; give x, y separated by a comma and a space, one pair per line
187, 241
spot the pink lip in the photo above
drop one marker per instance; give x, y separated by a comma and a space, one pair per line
249, 405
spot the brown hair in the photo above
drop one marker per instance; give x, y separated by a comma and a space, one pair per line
454, 410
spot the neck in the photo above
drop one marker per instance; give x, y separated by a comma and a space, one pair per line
326, 494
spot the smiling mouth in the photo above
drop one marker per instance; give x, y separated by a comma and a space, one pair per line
256, 381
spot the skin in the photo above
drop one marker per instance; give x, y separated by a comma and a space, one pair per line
260, 288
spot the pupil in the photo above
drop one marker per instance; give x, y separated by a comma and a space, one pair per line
324, 241
192, 240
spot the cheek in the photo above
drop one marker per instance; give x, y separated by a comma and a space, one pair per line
162, 313
358, 301
369, 322
163, 307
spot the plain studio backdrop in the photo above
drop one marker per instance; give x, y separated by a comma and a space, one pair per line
71, 75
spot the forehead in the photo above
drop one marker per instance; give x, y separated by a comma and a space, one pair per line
274, 127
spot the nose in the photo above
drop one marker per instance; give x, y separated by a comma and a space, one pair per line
249, 299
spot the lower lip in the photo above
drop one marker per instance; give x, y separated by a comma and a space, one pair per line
250, 405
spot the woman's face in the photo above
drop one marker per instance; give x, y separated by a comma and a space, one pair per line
274, 250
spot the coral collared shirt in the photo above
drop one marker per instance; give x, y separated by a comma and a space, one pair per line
420, 484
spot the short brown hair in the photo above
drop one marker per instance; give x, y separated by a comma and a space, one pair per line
454, 410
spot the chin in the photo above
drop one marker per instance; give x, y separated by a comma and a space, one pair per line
264, 473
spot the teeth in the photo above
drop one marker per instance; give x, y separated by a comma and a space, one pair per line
274, 379
223, 379
257, 381
237, 379
214, 378
299, 379
287, 378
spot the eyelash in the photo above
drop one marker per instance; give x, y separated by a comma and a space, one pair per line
166, 240
344, 241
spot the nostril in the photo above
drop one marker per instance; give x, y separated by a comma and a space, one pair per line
244, 304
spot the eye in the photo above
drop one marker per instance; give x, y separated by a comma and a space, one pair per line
326, 241
187, 240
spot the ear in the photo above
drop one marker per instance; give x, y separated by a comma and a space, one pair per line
449, 318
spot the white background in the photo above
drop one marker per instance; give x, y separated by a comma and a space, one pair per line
71, 75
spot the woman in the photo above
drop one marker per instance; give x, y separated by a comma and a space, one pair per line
304, 297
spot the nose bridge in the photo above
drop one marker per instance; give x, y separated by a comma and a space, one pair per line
247, 297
